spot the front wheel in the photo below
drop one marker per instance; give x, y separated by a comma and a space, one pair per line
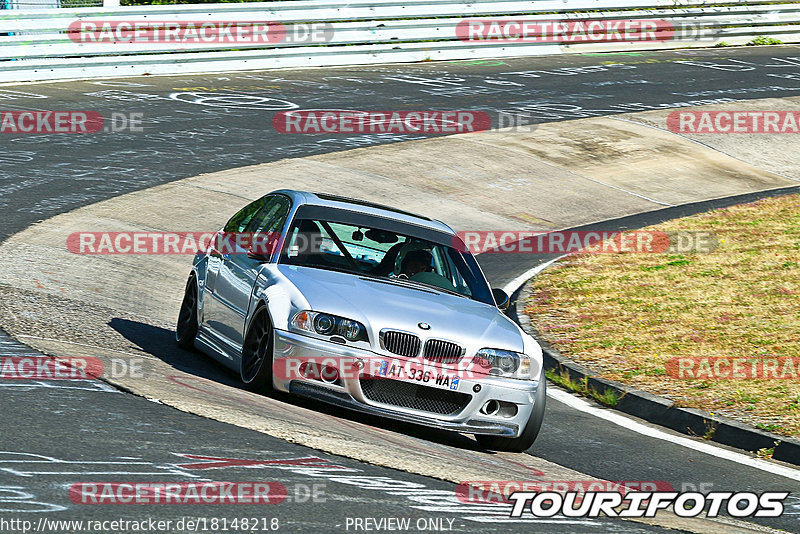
186, 330
529, 435
256, 369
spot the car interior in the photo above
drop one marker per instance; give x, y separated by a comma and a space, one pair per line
373, 252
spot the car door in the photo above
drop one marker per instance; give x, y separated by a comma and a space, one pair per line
237, 273
216, 250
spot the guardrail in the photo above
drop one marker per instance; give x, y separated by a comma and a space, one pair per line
102, 42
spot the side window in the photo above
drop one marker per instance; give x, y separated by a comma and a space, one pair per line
266, 226
239, 222
271, 216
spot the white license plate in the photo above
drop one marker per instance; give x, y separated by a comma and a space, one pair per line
421, 374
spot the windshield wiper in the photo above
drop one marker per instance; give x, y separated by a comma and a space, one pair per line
437, 288
416, 285
394, 282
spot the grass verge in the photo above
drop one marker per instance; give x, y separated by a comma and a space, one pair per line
627, 316
608, 397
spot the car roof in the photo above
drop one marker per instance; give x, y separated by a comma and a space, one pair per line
363, 206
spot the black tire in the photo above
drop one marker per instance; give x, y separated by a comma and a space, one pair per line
256, 368
186, 329
529, 435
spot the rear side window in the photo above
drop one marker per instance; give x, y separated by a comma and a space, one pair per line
271, 217
239, 222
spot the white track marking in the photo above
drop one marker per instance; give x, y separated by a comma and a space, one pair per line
28, 385
699, 446
511, 287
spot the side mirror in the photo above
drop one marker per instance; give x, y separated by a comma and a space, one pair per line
501, 298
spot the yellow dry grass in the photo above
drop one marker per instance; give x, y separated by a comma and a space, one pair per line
626, 315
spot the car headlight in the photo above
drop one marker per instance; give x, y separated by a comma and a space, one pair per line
325, 324
505, 363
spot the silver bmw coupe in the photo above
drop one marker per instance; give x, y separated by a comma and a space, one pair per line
366, 307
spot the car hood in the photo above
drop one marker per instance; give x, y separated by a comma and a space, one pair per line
382, 304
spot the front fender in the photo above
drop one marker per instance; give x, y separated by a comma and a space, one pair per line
534, 350
200, 269
280, 296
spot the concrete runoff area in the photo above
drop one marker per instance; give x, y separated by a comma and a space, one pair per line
771, 152
123, 307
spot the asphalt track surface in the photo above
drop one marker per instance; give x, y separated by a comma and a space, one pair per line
204, 123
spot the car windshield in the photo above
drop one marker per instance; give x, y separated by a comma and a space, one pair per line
385, 254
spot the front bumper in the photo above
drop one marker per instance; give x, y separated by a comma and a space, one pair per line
348, 392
